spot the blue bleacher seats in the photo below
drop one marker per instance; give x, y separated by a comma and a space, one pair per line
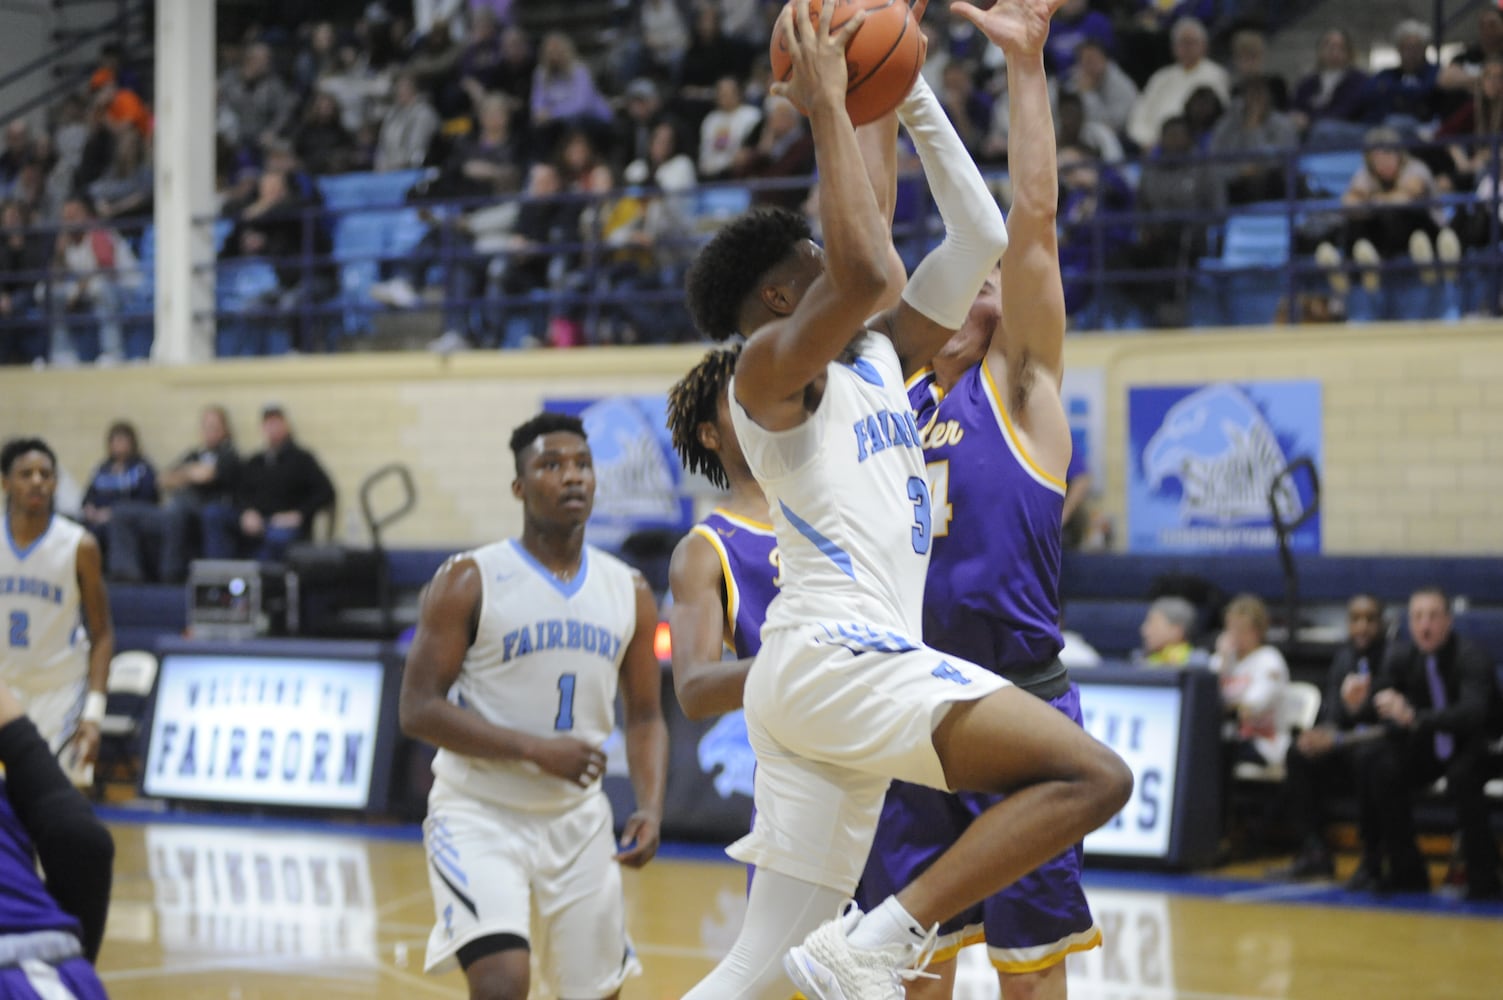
1329, 173
715, 205
1244, 285
367, 190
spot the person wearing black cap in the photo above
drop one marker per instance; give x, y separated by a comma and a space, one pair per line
280, 489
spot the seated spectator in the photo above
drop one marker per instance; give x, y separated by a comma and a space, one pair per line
1106, 93
1473, 126
515, 73
1169, 90
665, 35
1432, 698
1250, 62
1203, 112
320, 139
46, 825
23, 257
1406, 96
544, 219
147, 541
318, 58
478, 71
712, 54
279, 491
20, 149
652, 250
564, 95
1088, 189
725, 130
122, 477
121, 106
408, 128
434, 63
1166, 635
783, 148
1175, 185
1319, 764
1072, 129
1255, 138
1254, 677
1074, 23
1461, 76
1144, 29
355, 86
1331, 103
1389, 214
255, 104
126, 188
641, 111
91, 265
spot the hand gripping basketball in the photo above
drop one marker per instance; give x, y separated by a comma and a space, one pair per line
881, 42
816, 55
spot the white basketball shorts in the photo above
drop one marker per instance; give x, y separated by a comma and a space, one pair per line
550, 878
834, 712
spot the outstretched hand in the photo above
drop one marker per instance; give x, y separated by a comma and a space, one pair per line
1017, 27
817, 54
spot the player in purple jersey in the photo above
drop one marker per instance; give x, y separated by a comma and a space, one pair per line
997, 446
725, 571
49, 934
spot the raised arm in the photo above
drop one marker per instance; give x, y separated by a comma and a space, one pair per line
879, 151
706, 684
939, 295
784, 357
646, 734
446, 627
1033, 296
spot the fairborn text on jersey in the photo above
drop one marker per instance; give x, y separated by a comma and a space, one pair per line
561, 633
885, 429
28, 586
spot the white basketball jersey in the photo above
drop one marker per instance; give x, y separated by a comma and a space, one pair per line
43, 646
546, 661
850, 502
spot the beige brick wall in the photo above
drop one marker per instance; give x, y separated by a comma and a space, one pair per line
1413, 419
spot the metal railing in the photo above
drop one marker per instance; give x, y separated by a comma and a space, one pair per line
575, 283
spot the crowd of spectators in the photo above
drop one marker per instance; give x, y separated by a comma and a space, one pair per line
680, 97
211, 503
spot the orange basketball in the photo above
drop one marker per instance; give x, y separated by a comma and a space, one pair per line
882, 60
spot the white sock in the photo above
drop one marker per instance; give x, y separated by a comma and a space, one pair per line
889, 924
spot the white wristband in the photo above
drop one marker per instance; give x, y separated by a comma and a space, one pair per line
93, 707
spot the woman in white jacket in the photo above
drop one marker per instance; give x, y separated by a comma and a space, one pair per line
1254, 678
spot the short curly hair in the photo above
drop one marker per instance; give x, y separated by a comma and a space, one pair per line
693, 401
731, 265
544, 423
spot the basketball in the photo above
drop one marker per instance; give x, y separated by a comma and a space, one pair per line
882, 60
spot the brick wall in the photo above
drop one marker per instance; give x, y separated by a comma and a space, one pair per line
1413, 419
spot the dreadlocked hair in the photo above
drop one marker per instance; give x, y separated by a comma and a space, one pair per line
693, 401
731, 265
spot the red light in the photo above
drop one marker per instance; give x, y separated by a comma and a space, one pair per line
662, 643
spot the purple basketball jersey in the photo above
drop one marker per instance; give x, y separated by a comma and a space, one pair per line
748, 553
992, 592
25, 904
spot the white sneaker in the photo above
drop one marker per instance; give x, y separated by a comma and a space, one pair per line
397, 293
1366, 256
1423, 253
448, 342
827, 967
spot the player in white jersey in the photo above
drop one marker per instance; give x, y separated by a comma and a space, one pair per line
513, 676
842, 696
56, 640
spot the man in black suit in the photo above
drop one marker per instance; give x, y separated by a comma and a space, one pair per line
1433, 696
1319, 762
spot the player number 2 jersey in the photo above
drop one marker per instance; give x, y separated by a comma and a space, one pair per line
850, 504
546, 660
42, 642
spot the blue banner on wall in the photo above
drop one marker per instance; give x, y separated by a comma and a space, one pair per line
639, 481
1202, 459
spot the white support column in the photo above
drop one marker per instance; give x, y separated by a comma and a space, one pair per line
184, 156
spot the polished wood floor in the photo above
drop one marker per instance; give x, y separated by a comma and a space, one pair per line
246, 912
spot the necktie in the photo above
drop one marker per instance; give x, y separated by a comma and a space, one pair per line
1444, 742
